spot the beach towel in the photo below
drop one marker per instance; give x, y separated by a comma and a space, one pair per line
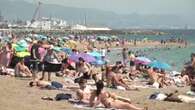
120, 88
187, 99
156, 85
190, 93
81, 105
158, 96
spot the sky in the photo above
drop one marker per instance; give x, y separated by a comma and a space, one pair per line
174, 7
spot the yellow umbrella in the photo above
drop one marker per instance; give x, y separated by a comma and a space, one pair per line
22, 54
71, 44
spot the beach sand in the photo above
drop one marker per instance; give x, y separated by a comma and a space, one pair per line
16, 94
83, 45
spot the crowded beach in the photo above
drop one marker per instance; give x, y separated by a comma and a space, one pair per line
75, 71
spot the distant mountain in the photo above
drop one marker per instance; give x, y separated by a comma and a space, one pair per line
24, 10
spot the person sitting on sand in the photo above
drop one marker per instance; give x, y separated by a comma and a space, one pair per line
84, 91
115, 79
153, 75
83, 68
65, 69
22, 70
109, 100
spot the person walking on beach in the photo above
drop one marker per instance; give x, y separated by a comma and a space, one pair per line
6, 55
125, 56
49, 59
35, 57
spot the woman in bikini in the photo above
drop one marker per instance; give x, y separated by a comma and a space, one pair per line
109, 100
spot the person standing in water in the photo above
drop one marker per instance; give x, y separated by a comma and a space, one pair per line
125, 56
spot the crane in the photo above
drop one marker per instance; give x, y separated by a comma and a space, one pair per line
36, 14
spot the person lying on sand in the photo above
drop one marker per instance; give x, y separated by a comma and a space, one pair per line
46, 84
6, 71
173, 97
109, 100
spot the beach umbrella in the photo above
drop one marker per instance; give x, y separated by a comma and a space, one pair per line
95, 54
67, 50
159, 65
22, 43
103, 37
114, 37
28, 39
66, 38
71, 36
22, 54
40, 37
71, 44
98, 62
142, 60
88, 58
57, 49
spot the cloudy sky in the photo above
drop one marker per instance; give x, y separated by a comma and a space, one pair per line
176, 7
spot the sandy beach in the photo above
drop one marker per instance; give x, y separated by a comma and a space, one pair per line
16, 94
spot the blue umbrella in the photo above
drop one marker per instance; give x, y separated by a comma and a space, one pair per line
98, 62
159, 65
40, 37
22, 43
95, 54
67, 50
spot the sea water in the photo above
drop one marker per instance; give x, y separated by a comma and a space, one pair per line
176, 57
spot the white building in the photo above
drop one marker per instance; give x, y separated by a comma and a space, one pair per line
84, 28
78, 27
43, 23
58, 23
48, 23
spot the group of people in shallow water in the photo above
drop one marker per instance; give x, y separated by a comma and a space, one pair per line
112, 76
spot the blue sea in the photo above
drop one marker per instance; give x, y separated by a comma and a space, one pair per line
176, 57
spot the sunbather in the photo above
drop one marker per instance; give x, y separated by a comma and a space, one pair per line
46, 84
115, 79
22, 70
84, 91
109, 100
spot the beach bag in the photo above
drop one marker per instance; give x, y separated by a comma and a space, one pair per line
62, 96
